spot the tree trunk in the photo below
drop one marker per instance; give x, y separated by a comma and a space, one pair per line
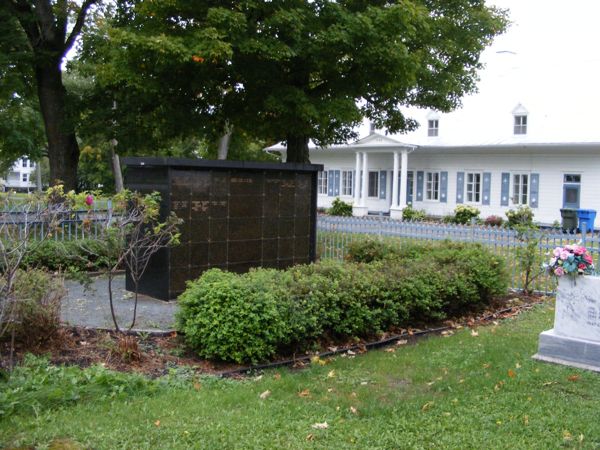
224, 143
63, 149
297, 149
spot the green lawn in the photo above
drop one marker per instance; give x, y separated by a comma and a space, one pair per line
462, 391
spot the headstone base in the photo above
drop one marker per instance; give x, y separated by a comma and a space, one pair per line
568, 351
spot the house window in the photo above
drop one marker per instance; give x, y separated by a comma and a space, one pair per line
322, 182
347, 182
473, 181
433, 127
25, 177
521, 124
25, 162
373, 184
520, 189
432, 186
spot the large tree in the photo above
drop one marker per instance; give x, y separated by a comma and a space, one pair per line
292, 70
49, 28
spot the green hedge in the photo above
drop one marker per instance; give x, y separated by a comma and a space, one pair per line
251, 317
80, 255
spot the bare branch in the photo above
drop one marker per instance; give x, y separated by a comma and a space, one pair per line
78, 25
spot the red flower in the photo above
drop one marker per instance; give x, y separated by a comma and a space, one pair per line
581, 266
89, 200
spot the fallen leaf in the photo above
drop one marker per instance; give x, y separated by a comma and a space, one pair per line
265, 394
567, 436
258, 378
511, 373
573, 377
426, 406
462, 380
517, 365
304, 393
310, 437
549, 383
430, 383
353, 395
197, 386
157, 423
364, 383
402, 342
320, 426
332, 349
390, 350
474, 333
330, 390
277, 376
486, 365
526, 420
331, 374
353, 410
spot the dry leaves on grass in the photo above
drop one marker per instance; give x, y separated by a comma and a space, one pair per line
265, 394
320, 426
305, 393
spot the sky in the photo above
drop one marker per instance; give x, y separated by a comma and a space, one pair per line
547, 55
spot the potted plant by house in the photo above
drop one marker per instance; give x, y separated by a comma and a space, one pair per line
575, 338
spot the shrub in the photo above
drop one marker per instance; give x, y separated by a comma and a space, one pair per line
35, 316
464, 213
523, 215
368, 249
494, 221
411, 214
233, 317
449, 218
340, 208
76, 255
250, 317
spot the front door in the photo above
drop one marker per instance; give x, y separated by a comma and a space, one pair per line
571, 191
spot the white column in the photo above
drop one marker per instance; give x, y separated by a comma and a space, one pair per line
395, 181
365, 179
357, 180
403, 177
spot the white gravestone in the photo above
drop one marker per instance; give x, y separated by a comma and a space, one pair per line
575, 338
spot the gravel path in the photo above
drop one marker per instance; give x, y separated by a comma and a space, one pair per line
90, 307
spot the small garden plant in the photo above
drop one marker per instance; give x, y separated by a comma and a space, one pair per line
411, 214
340, 208
463, 214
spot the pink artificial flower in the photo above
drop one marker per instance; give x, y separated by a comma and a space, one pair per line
579, 251
553, 261
557, 251
588, 258
564, 255
559, 272
570, 247
89, 200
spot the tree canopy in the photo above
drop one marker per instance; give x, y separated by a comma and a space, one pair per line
288, 70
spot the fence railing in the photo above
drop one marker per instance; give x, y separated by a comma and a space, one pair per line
334, 234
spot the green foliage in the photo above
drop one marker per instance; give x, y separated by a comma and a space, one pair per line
232, 317
82, 255
285, 71
250, 317
36, 386
464, 213
36, 315
411, 214
528, 255
340, 208
494, 221
522, 216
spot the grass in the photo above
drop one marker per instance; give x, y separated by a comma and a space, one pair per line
461, 391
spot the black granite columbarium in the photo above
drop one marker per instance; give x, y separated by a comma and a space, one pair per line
236, 215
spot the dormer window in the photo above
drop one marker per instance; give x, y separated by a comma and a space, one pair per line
520, 119
520, 124
433, 127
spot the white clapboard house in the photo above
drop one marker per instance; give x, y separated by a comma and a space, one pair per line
528, 137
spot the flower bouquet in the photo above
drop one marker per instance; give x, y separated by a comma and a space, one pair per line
571, 260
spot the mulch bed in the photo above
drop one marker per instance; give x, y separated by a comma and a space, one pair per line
154, 355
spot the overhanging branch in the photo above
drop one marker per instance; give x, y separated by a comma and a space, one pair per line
78, 25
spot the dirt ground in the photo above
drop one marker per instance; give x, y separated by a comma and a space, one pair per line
153, 354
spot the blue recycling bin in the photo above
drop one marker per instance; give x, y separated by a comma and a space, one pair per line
587, 217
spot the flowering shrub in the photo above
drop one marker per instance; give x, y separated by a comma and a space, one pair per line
571, 260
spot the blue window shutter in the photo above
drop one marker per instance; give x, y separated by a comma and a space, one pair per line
409, 188
444, 187
487, 186
330, 176
505, 189
382, 184
534, 190
336, 185
460, 187
420, 179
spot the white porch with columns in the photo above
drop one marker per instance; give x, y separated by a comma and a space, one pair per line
400, 168
360, 207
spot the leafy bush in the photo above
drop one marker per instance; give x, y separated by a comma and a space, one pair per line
340, 208
494, 221
449, 218
250, 317
35, 315
232, 317
464, 213
411, 214
523, 215
74, 255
